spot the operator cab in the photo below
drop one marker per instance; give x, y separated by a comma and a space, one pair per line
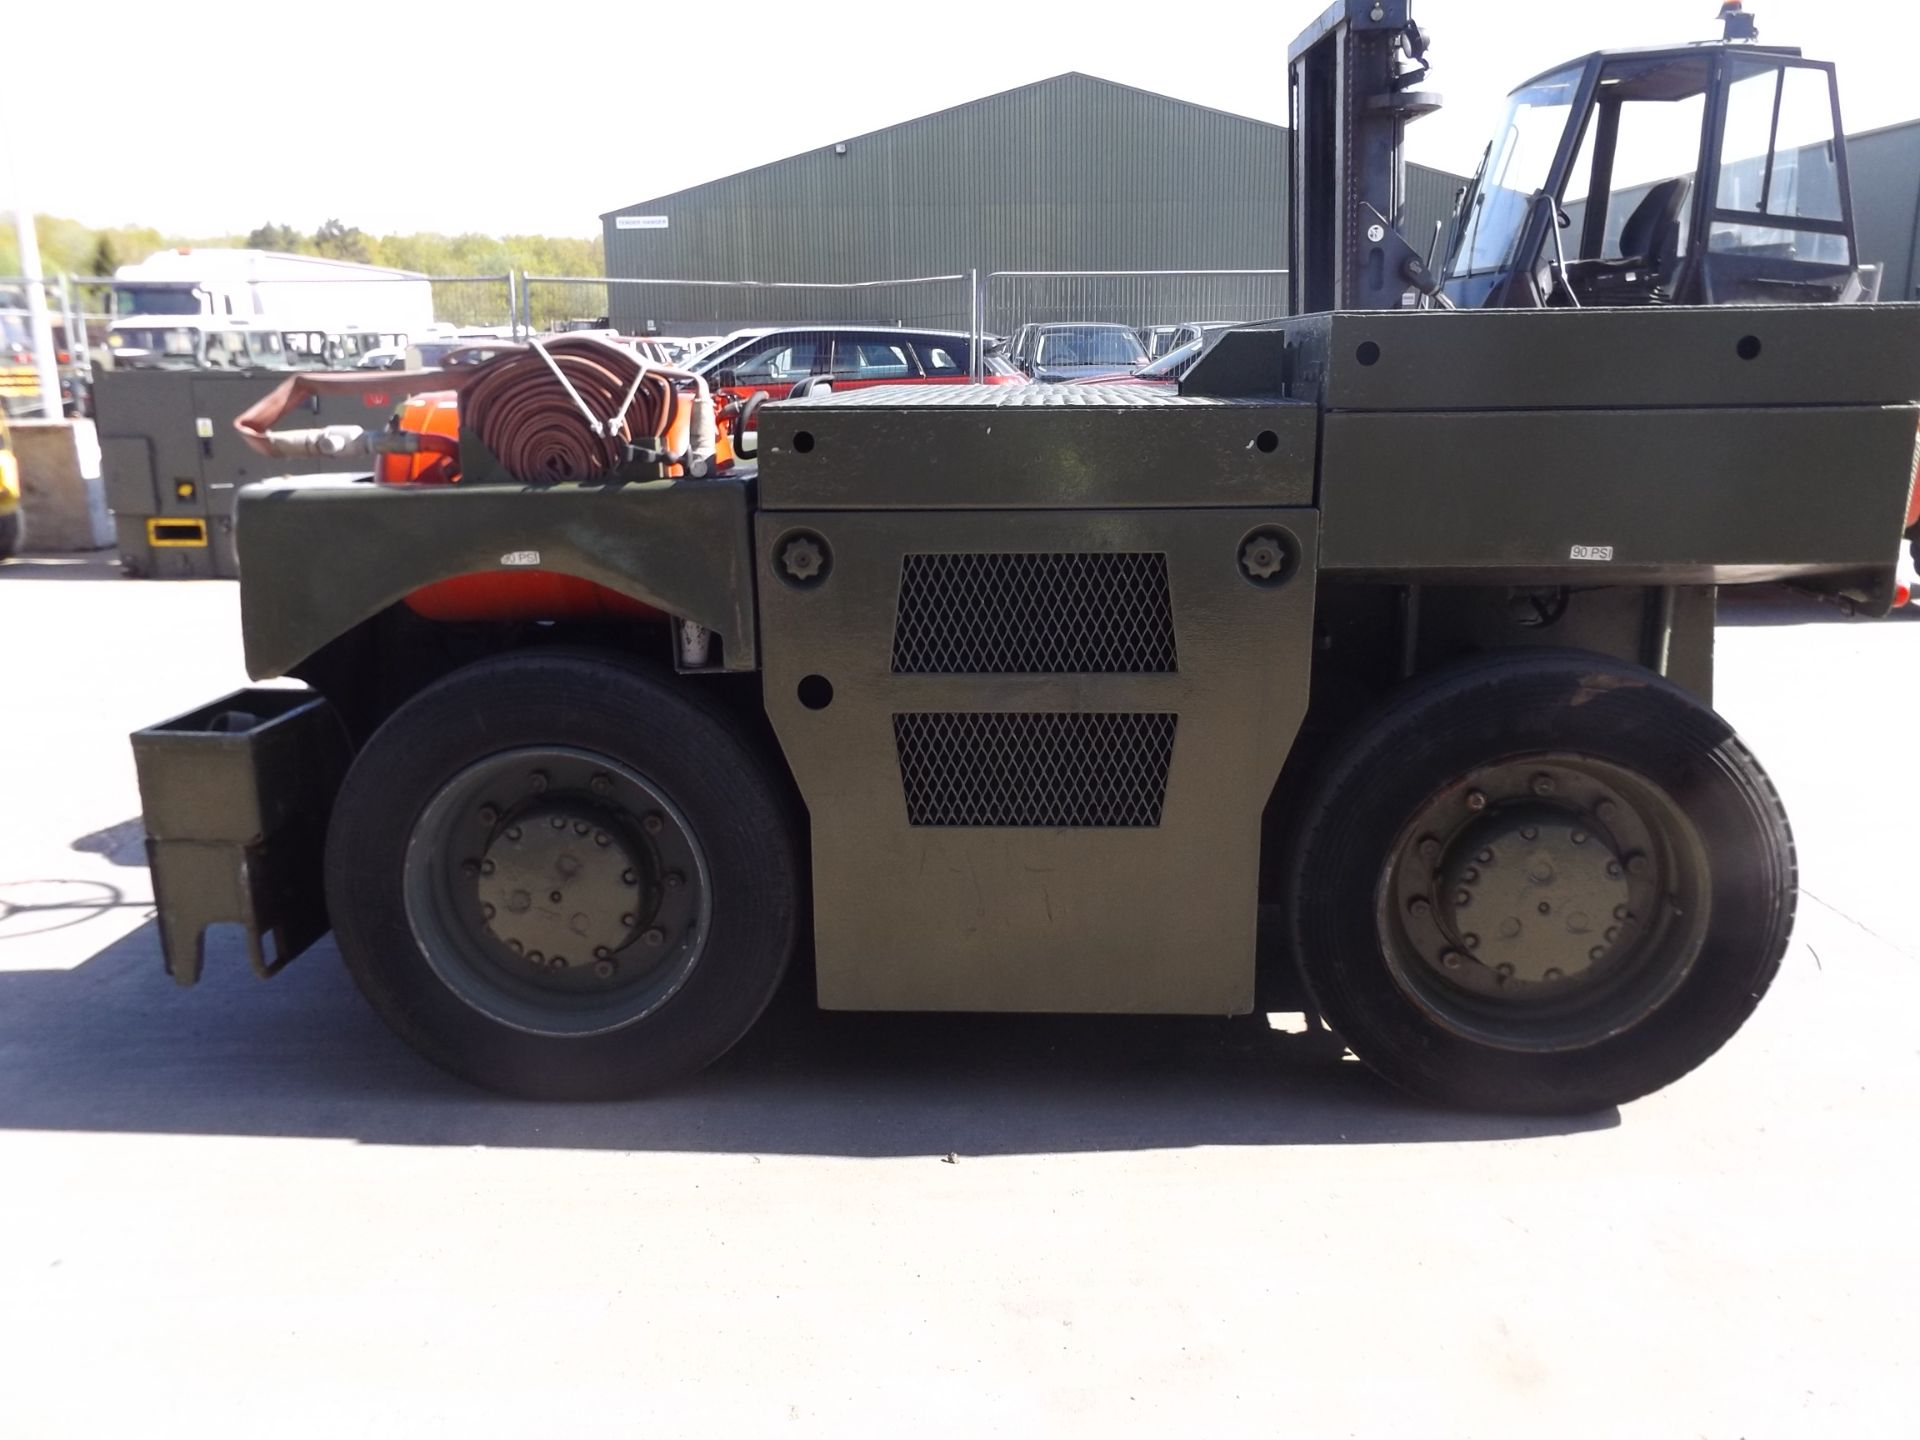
1710, 174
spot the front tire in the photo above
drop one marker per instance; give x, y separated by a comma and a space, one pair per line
564, 877
12, 532
1541, 882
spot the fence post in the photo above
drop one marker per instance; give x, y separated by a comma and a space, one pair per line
977, 368
513, 307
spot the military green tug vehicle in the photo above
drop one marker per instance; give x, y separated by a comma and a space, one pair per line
1395, 625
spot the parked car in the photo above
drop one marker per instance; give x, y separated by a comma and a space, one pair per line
1171, 368
1165, 339
776, 359
1053, 353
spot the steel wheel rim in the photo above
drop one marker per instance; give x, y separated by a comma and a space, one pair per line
557, 891
1544, 903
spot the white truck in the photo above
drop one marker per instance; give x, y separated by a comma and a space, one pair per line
263, 289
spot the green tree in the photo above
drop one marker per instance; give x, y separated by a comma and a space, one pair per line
276, 237
342, 242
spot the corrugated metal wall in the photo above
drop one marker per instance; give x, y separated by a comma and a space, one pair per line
1071, 173
1885, 169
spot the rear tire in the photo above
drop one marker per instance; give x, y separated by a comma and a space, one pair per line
1543, 882
661, 832
12, 534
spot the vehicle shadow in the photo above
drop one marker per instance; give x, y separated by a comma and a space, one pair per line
1762, 605
112, 1045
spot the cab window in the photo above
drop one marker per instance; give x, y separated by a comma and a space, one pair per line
946, 358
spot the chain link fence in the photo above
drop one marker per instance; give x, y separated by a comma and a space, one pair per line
1012, 298
646, 306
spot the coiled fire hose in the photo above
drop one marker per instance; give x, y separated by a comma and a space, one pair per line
571, 409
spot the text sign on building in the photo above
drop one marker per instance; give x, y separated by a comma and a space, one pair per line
639, 222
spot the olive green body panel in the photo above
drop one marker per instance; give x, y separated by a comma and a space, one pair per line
1680, 358
1043, 447
322, 555
1613, 496
235, 798
1051, 839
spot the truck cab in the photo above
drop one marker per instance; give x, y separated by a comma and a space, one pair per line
1707, 174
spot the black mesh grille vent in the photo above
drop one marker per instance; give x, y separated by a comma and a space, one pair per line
1062, 614
1030, 771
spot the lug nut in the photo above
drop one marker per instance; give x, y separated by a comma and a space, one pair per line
602, 839
654, 823
673, 880
487, 912
1613, 870
1476, 800
554, 896
580, 827
1504, 974
516, 947
1606, 810
1420, 907
1579, 837
1472, 875
1546, 908
1599, 952
655, 936
1510, 927
601, 952
1452, 959
1613, 933
1638, 865
1554, 975
1620, 912
1543, 784
558, 823
513, 832
1530, 833
1472, 942
486, 867
1429, 848
603, 969
627, 877
1463, 899
558, 962
601, 784
629, 921
469, 868
538, 781
488, 814
537, 957
1486, 857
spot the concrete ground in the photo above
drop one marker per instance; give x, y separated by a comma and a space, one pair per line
245, 1209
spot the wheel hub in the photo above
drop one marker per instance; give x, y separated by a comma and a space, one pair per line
1538, 896
560, 886
557, 891
1543, 903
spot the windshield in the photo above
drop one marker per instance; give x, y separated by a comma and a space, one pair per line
1517, 166
159, 344
1091, 346
160, 300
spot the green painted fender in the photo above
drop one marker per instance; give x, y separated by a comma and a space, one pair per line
321, 554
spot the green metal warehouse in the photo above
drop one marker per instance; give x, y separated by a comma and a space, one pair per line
1071, 173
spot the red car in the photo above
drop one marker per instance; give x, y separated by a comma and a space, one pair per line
843, 357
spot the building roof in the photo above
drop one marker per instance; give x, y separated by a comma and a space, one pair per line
1069, 77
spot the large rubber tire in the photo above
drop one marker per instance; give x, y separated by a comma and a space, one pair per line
1423, 745
12, 534
719, 782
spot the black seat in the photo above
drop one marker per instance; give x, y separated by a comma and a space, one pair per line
1651, 235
